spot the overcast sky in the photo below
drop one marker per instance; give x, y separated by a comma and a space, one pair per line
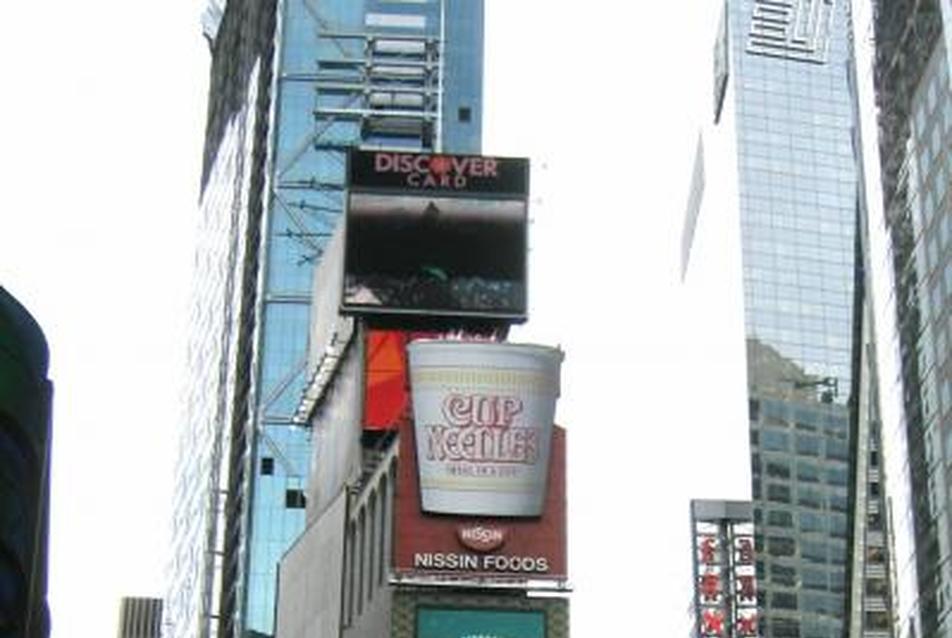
100, 140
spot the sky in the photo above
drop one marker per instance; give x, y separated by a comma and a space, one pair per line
100, 146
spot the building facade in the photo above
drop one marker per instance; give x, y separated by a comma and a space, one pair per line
436, 505
25, 410
786, 123
910, 72
294, 84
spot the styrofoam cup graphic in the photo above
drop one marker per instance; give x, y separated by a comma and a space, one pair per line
483, 414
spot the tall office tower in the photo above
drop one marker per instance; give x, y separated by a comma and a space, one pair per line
783, 156
911, 74
294, 84
25, 407
140, 618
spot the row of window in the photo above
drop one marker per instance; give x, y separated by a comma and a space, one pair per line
833, 524
772, 440
831, 579
813, 551
367, 548
779, 468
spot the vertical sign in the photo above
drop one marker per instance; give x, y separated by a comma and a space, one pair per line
725, 579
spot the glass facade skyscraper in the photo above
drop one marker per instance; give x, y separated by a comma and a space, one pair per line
294, 84
911, 75
784, 96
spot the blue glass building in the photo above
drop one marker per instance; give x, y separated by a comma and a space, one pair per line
786, 123
294, 84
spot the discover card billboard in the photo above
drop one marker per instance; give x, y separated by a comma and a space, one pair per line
438, 235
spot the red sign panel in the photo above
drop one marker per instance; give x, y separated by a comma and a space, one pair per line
387, 392
461, 547
386, 397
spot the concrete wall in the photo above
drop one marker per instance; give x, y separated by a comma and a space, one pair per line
309, 578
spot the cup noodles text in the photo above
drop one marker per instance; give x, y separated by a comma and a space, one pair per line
477, 428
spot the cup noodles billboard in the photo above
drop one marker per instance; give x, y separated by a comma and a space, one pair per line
481, 487
438, 235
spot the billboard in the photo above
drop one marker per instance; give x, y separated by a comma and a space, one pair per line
485, 623
442, 235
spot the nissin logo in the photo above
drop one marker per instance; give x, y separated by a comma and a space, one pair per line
481, 538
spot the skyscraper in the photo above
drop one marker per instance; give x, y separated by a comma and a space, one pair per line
910, 70
294, 84
784, 146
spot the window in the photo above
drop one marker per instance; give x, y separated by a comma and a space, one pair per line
876, 587
778, 493
781, 546
783, 575
395, 20
778, 469
813, 551
817, 604
780, 518
464, 114
814, 579
838, 503
294, 499
808, 445
810, 522
877, 620
267, 466
810, 497
785, 627
773, 440
808, 472
836, 476
783, 600
838, 526
753, 410
837, 450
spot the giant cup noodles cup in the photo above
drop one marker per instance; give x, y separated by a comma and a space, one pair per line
483, 415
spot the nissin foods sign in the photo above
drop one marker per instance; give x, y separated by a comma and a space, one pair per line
497, 548
439, 172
